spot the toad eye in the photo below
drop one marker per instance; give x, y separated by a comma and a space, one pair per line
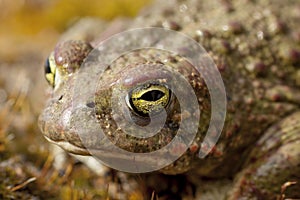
66, 58
149, 98
50, 70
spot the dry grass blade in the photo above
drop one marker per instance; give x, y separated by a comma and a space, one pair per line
23, 184
284, 187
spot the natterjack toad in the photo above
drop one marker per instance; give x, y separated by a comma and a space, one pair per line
255, 46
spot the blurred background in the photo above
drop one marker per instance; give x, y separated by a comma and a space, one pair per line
30, 24
29, 30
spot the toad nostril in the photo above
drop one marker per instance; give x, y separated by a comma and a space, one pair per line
60, 98
90, 104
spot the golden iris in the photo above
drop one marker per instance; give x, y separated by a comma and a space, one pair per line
149, 98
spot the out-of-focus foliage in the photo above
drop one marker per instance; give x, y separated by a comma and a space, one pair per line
31, 16
41, 21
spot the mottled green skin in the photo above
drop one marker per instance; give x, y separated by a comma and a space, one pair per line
256, 47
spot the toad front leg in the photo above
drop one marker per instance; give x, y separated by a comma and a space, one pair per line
273, 163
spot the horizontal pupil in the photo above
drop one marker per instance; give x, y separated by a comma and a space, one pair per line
153, 95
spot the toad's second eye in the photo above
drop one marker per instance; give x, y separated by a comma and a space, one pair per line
66, 59
50, 70
149, 98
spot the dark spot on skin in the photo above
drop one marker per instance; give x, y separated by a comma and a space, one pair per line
168, 12
173, 125
171, 25
225, 46
294, 56
91, 104
222, 67
61, 172
172, 59
279, 27
236, 27
260, 69
227, 4
204, 33
60, 98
